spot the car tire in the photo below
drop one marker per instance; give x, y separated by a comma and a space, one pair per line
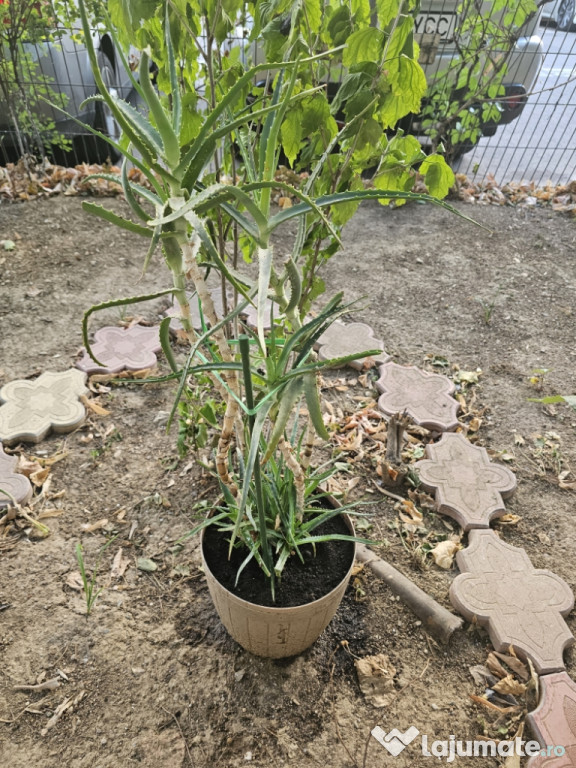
92, 148
566, 13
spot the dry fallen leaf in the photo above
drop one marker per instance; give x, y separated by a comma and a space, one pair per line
376, 679
495, 667
119, 565
444, 552
509, 519
74, 580
40, 476
91, 527
94, 407
508, 686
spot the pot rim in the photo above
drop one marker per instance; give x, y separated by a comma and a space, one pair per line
290, 608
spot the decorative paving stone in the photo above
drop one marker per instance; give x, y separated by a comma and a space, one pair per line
131, 349
519, 605
174, 311
32, 408
553, 722
17, 485
468, 486
426, 397
342, 339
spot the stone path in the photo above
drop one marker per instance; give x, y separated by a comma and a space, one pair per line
32, 408
498, 587
13, 483
119, 349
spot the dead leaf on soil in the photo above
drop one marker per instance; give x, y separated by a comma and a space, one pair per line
147, 565
515, 665
376, 679
495, 667
508, 686
93, 406
91, 527
444, 552
509, 519
409, 515
40, 476
119, 565
74, 580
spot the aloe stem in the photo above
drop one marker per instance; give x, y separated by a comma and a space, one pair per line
244, 344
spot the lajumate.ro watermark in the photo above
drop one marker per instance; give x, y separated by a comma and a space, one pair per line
451, 749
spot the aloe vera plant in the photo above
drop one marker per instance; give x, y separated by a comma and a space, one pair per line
203, 224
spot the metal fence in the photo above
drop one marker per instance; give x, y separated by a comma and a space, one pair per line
538, 145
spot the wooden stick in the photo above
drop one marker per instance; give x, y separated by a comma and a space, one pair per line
436, 619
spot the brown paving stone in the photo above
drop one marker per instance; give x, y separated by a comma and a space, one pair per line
13, 483
553, 722
426, 397
468, 486
32, 408
120, 349
342, 339
518, 604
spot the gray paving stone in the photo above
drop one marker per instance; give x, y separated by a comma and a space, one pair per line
32, 408
342, 339
518, 604
553, 722
468, 486
426, 397
13, 483
119, 349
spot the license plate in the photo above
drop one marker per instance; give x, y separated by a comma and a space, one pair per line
436, 23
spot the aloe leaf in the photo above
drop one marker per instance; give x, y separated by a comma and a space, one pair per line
107, 305
166, 346
295, 285
129, 194
167, 135
150, 252
358, 196
174, 86
264, 272
114, 218
313, 403
290, 396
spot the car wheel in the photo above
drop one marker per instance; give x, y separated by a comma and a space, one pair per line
566, 13
93, 148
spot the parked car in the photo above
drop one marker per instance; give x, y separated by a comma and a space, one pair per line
56, 68
562, 12
440, 30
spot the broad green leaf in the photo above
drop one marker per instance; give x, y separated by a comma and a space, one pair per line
438, 176
363, 45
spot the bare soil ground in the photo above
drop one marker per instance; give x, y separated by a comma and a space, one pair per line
152, 678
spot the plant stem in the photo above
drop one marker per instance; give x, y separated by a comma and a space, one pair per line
244, 344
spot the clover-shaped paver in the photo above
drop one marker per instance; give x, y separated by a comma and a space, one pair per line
342, 339
553, 722
119, 349
520, 605
426, 397
13, 485
31, 408
195, 306
468, 486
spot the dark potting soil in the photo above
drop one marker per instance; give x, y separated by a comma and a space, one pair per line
301, 582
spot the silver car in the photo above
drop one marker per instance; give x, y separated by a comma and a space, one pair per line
59, 70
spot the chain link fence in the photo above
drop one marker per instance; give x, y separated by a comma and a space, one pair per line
501, 99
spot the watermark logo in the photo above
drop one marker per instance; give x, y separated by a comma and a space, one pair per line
451, 749
395, 741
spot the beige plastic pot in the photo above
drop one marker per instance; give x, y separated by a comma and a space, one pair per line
275, 632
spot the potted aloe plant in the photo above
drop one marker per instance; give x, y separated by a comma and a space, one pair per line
209, 156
